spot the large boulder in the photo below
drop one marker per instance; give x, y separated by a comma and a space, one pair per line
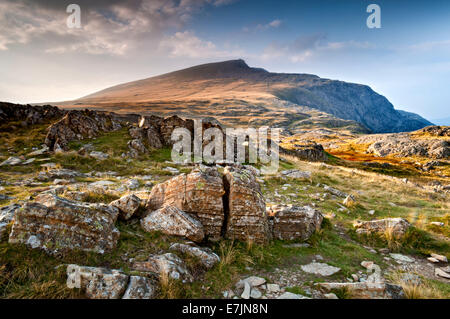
173, 221
56, 224
247, 218
198, 193
397, 226
294, 222
171, 123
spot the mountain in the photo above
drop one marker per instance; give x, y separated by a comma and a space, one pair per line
233, 91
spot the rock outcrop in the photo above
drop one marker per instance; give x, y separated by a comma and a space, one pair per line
312, 152
396, 226
56, 224
173, 221
294, 222
28, 114
77, 125
246, 208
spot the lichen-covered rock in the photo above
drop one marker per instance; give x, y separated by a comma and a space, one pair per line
140, 288
247, 218
294, 222
137, 145
397, 226
98, 283
128, 205
169, 265
56, 224
77, 125
62, 173
173, 221
7, 216
295, 173
206, 256
198, 193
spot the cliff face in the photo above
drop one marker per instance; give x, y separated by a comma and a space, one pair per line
234, 79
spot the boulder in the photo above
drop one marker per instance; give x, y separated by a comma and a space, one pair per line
320, 269
198, 193
290, 295
294, 222
168, 265
309, 152
99, 155
206, 256
128, 205
98, 283
137, 145
172, 221
56, 224
247, 218
171, 123
140, 288
398, 226
28, 114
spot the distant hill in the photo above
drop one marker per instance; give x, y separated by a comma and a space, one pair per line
233, 91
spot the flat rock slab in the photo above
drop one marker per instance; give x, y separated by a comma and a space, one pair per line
401, 258
290, 295
320, 269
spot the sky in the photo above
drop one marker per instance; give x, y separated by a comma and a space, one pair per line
407, 59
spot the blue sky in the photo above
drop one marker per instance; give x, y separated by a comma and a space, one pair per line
407, 60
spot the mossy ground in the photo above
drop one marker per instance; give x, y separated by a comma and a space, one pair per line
27, 273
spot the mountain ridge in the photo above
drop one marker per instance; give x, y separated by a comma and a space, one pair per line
235, 80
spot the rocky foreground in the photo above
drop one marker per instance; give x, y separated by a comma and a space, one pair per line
209, 217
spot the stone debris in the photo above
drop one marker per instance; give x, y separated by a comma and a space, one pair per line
54, 224
297, 174
98, 155
320, 269
7, 216
128, 205
335, 191
172, 221
206, 256
294, 222
290, 295
11, 161
168, 264
367, 290
247, 217
397, 226
440, 258
349, 201
401, 258
438, 272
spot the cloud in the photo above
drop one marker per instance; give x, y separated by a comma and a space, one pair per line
432, 45
306, 47
261, 27
110, 27
187, 44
